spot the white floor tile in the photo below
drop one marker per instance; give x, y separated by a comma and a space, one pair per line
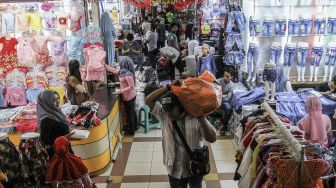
224, 155
226, 166
101, 185
222, 144
159, 185
158, 146
108, 171
134, 185
157, 157
158, 169
141, 133
137, 169
158, 133
140, 157
142, 146
229, 184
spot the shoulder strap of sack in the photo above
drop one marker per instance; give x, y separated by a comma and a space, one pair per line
180, 134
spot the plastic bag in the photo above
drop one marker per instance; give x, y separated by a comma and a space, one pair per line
199, 96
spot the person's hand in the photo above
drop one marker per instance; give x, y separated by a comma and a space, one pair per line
80, 88
329, 92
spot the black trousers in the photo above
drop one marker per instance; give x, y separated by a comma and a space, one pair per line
151, 59
194, 182
179, 64
226, 115
160, 44
132, 125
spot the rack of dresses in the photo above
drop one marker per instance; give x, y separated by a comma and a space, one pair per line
270, 154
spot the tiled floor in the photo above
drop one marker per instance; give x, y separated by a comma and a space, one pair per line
139, 164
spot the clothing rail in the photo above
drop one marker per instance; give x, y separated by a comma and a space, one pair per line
293, 144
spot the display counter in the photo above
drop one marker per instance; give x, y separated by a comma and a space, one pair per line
97, 150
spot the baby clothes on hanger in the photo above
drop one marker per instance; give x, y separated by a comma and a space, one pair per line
40, 45
25, 53
61, 21
8, 54
22, 22
75, 20
35, 21
94, 57
58, 50
56, 75
8, 22
49, 20
74, 48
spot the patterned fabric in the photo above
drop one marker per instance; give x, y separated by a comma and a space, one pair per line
25, 53
35, 161
84, 182
8, 54
40, 45
10, 162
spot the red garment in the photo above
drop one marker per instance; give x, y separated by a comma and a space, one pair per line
64, 166
8, 54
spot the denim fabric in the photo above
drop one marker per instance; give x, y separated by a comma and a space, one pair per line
331, 56
252, 58
234, 58
293, 27
2, 99
328, 105
291, 106
268, 28
280, 27
242, 98
319, 26
317, 53
233, 39
289, 55
302, 55
306, 26
331, 26
254, 25
275, 55
236, 19
270, 74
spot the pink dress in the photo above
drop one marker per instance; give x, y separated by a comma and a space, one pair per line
58, 54
25, 53
94, 58
40, 45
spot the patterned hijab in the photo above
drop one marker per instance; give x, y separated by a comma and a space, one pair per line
126, 66
47, 109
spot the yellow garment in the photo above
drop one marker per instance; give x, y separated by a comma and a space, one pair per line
61, 92
254, 160
115, 16
35, 21
3, 176
205, 29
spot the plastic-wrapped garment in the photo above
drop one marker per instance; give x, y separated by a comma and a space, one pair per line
199, 96
291, 106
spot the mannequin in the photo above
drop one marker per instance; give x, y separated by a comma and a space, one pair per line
289, 54
276, 51
206, 61
316, 57
330, 61
270, 76
302, 55
252, 61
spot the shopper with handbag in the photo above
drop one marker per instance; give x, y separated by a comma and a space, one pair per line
185, 155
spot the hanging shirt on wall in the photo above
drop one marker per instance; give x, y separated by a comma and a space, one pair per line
40, 45
115, 15
75, 21
35, 21
61, 21
74, 48
25, 52
58, 50
22, 22
8, 54
8, 22
49, 20
94, 58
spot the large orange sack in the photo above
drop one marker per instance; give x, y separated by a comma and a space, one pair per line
199, 96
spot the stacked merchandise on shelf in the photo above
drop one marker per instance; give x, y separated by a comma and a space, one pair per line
273, 153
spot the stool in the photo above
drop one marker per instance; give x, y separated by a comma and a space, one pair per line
150, 121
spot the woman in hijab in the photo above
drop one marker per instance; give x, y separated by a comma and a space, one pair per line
315, 124
51, 120
126, 74
282, 83
66, 169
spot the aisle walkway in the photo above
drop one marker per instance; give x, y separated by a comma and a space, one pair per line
139, 164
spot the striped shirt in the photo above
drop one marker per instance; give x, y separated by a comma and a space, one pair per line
175, 157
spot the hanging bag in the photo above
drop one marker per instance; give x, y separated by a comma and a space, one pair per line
199, 163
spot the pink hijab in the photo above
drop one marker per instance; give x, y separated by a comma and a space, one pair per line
315, 124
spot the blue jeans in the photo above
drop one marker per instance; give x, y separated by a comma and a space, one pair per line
236, 19
270, 74
317, 53
252, 58
268, 28
226, 112
275, 55
233, 39
234, 58
319, 26
280, 27
291, 106
331, 26
289, 55
254, 24
306, 26
302, 55
331, 56
293, 27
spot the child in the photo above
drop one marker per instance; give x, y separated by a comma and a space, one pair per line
76, 92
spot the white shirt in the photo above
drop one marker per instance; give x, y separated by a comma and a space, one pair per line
170, 52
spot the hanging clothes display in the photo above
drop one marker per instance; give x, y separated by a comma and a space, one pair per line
109, 35
24, 48
8, 53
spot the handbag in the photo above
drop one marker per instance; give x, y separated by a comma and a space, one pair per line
199, 163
